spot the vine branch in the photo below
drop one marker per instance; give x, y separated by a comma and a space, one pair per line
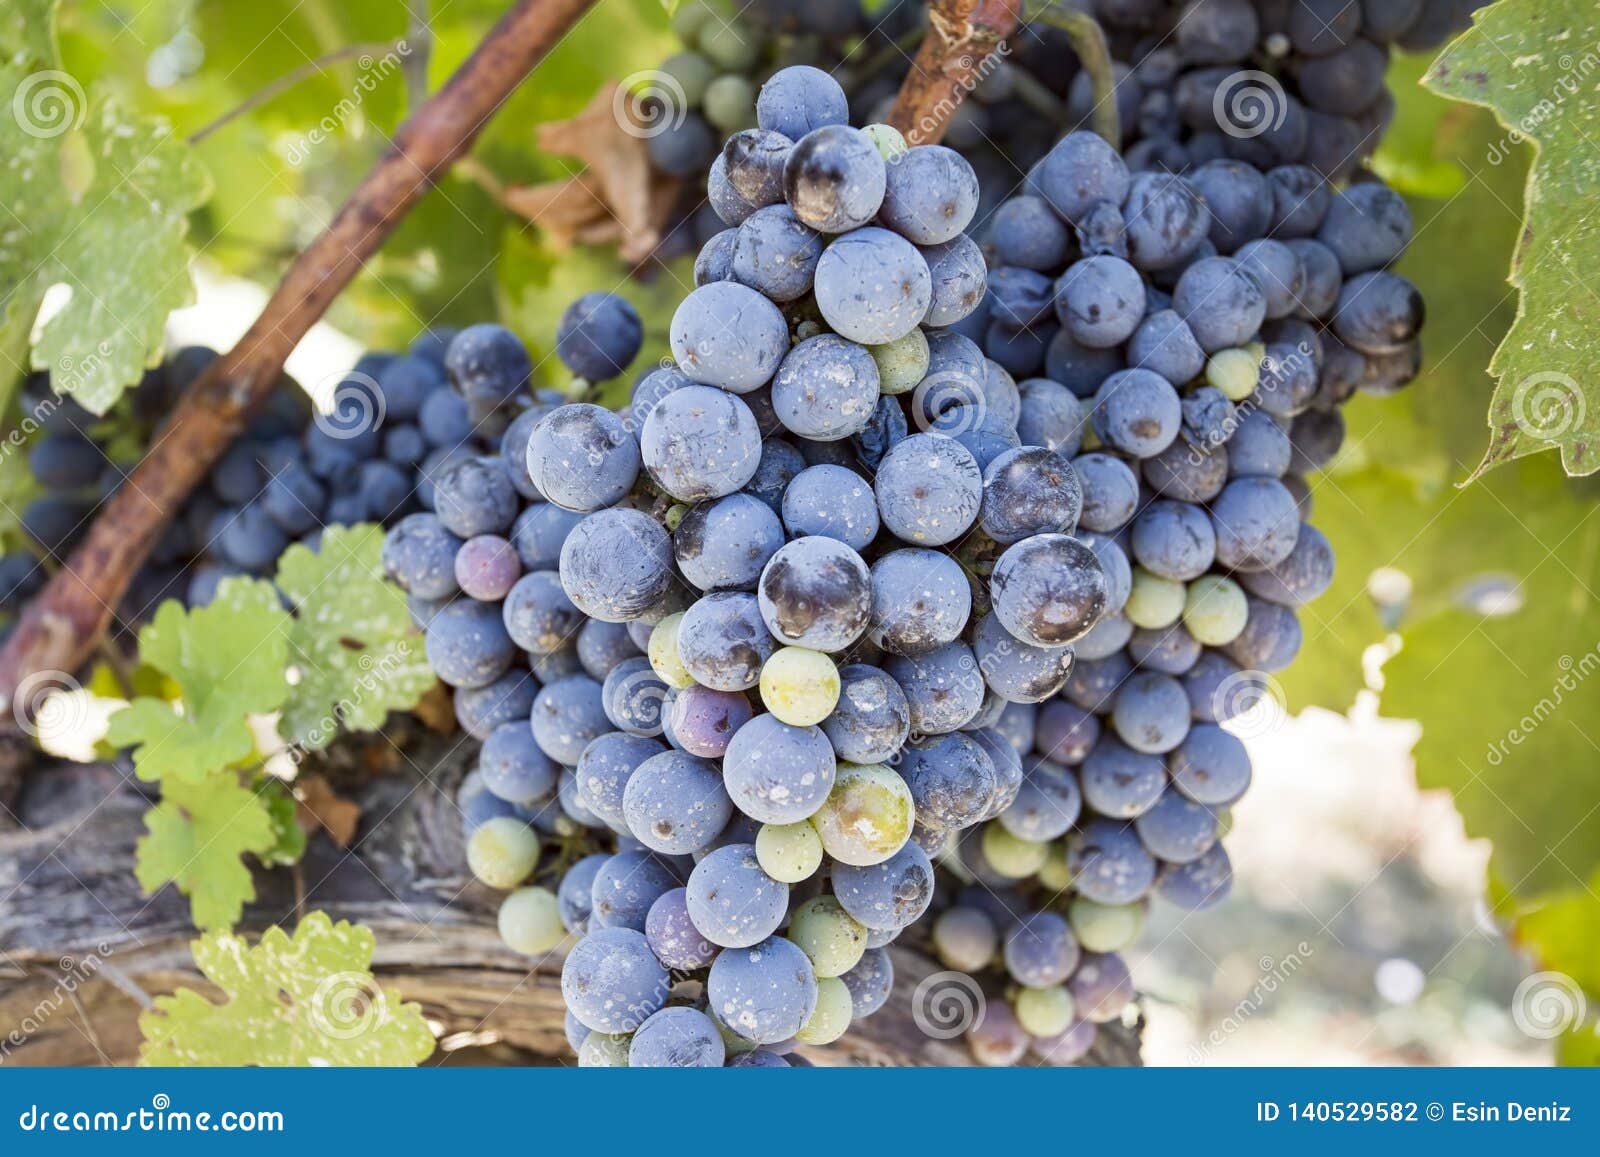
956, 54
60, 627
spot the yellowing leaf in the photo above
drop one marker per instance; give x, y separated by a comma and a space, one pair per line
351, 642
195, 838
309, 1000
1532, 61
228, 661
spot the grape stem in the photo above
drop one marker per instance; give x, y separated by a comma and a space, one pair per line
966, 41
61, 625
1089, 42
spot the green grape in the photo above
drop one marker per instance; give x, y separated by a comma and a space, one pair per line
691, 72
1235, 372
1013, 858
1044, 1011
1104, 927
832, 1014
901, 363
1055, 874
730, 102
663, 652
789, 853
728, 45
690, 18
530, 921
1215, 610
502, 852
1153, 602
888, 139
965, 939
601, 1050
798, 685
830, 936
867, 817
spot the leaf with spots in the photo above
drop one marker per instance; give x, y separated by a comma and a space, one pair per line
1533, 62
195, 838
228, 662
352, 645
309, 999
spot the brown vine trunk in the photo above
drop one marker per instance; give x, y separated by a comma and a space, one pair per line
72, 896
61, 626
953, 57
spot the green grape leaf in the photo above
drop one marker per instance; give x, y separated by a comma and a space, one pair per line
28, 32
288, 837
352, 642
1500, 662
1532, 62
195, 838
97, 201
306, 1000
1564, 933
228, 661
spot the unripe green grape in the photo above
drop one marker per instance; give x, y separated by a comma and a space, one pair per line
502, 852
691, 72
789, 853
1235, 372
663, 653
730, 103
1044, 1011
867, 817
888, 139
1153, 602
1055, 874
1104, 927
603, 1050
902, 363
689, 19
1013, 858
965, 939
830, 936
798, 685
1215, 610
728, 45
530, 921
832, 1015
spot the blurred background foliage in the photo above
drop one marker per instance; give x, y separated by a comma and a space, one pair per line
1471, 609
